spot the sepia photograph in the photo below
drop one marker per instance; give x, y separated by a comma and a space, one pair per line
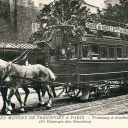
64, 60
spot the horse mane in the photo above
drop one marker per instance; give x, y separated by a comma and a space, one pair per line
16, 68
3, 61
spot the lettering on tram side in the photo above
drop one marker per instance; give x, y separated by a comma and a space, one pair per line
99, 26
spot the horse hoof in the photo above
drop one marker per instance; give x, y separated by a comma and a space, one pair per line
48, 107
22, 110
10, 108
8, 113
41, 104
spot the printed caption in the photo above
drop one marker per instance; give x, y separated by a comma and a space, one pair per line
60, 119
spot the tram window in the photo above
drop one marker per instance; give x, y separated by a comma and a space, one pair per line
125, 52
111, 52
85, 51
94, 52
94, 49
72, 51
119, 52
103, 52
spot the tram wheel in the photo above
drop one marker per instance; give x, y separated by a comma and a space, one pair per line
73, 91
108, 92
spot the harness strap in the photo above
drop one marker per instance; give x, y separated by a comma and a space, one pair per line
31, 79
24, 79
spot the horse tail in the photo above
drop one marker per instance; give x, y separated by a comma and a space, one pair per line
51, 74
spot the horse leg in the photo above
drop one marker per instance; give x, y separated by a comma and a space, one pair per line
53, 91
11, 93
49, 91
43, 92
17, 94
4, 97
26, 94
39, 97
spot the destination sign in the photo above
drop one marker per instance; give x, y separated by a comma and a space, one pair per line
100, 26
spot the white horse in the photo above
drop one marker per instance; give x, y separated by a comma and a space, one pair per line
4, 71
21, 76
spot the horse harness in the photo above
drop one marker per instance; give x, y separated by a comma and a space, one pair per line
24, 78
5, 75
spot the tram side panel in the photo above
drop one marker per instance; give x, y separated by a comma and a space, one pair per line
65, 73
125, 67
97, 70
90, 71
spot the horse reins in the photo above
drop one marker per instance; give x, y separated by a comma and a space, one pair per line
14, 61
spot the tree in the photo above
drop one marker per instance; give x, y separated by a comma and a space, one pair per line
117, 14
62, 12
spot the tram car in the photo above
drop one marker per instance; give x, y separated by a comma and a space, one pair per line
90, 65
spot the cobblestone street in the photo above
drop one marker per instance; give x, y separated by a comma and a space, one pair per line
66, 106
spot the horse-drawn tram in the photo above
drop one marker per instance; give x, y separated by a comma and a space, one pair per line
86, 60
93, 62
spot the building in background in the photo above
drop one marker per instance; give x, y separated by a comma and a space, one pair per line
5, 21
26, 3
16, 20
93, 9
41, 5
35, 27
112, 2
